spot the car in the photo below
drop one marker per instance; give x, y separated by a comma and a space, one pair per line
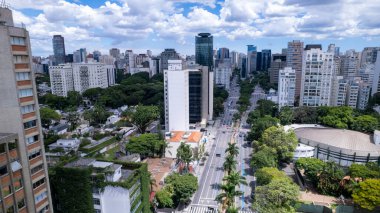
218, 155
224, 131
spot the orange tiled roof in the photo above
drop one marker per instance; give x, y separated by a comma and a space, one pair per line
177, 136
194, 137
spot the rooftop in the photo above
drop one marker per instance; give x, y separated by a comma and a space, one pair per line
339, 138
182, 136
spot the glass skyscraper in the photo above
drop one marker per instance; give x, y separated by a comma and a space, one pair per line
59, 49
204, 50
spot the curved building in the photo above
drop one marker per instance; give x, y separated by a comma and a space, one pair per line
342, 146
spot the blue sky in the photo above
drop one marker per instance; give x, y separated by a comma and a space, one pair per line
157, 24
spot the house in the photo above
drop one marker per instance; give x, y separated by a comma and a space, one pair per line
60, 129
195, 139
83, 129
66, 144
112, 119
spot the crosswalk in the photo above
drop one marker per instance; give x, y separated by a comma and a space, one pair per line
206, 209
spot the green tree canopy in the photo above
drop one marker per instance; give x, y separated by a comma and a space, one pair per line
260, 125
329, 178
229, 164
48, 115
338, 117
74, 99
184, 186
96, 116
232, 149
286, 115
365, 123
267, 174
147, 145
185, 154
368, 194
284, 142
363, 171
312, 167
142, 116
235, 179
164, 199
265, 157
279, 196
305, 115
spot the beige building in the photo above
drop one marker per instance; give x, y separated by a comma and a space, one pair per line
19, 115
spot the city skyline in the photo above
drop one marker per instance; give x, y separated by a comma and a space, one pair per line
102, 25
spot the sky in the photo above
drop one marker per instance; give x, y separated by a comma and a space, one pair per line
158, 24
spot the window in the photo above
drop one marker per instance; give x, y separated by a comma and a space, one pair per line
27, 109
32, 139
36, 169
18, 184
11, 209
96, 201
41, 196
12, 146
3, 170
38, 183
21, 204
43, 210
34, 154
2, 148
98, 211
21, 76
20, 59
18, 40
25, 93
30, 124
7, 190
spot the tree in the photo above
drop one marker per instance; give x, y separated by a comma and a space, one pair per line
184, 186
142, 116
337, 117
74, 99
185, 154
267, 174
368, 194
97, 115
229, 164
260, 125
286, 115
284, 142
305, 115
232, 149
266, 107
227, 197
93, 93
329, 178
47, 116
147, 145
164, 199
312, 168
365, 123
73, 118
279, 196
265, 157
363, 171
235, 179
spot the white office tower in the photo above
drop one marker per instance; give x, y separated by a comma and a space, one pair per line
223, 74
176, 83
317, 75
111, 72
376, 76
364, 94
61, 79
235, 59
350, 64
89, 75
369, 55
338, 91
286, 87
366, 73
353, 92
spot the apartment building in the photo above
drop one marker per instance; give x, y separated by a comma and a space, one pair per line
61, 79
20, 117
286, 87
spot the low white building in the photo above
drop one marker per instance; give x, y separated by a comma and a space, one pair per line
66, 144
112, 119
303, 151
175, 138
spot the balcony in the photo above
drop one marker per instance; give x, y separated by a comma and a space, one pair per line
34, 145
24, 83
39, 189
42, 203
19, 50
38, 174
13, 154
28, 115
26, 99
22, 66
35, 160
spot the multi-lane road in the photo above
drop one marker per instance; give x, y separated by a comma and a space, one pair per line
211, 175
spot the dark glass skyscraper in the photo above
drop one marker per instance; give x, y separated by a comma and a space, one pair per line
266, 56
204, 50
59, 49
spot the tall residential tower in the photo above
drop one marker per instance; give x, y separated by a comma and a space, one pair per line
59, 49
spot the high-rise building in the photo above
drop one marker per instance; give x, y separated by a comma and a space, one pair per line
259, 61
353, 92
223, 74
223, 53
369, 55
317, 76
166, 55
24, 175
204, 50
364, 94
376, 76
115, 52
278, 62
235, 59
251, 59
350, 64
294, 56
61, 79
366, 73
338, 91
286, 87
266, 56
96, 54
59, 49
188, 96
243, 65
89, 75
107, 60
80, 55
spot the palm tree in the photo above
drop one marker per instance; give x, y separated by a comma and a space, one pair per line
227, 197
232, 149
235, 179
229, 164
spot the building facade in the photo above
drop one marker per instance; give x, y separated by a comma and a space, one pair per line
19, 112
251, 59
168, 54
350, 64
204, 50
89, 75
222, 74
59, 49
80, 55
317, 76
286, 87
278, 62
61, 79
294, 56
